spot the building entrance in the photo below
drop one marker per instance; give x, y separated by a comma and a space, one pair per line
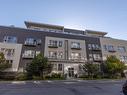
71, 72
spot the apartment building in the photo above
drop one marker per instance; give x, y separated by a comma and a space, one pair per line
114, 47
66, 49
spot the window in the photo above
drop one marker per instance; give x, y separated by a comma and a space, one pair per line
121, 49
123, 58
37, 52
60, 55
52, 54
30, 41
75, 55
75, 45
10, 39
29, 54
105, 47
10, 61
38, 41
60, 43
93, 46
52, 43
54, 67
110, 48
89, 46
8, 52
97, 46
97, 56
60, 67
90, 57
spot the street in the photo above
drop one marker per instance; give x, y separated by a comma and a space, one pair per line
72, 87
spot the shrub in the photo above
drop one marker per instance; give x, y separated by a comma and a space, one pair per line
21, 76
56, 75
48, 77
37, 78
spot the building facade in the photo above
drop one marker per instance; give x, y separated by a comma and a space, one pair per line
66, 49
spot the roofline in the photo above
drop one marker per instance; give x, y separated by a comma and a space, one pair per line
74, 29
95, 32
32, 30
27, 23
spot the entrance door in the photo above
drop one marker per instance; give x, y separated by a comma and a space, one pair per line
71, 72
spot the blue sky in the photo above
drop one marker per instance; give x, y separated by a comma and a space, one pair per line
102, 15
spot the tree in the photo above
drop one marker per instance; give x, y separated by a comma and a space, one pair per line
91, 69
39, 66
3, 63
113, 66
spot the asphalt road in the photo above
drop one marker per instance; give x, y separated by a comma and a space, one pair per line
73, 87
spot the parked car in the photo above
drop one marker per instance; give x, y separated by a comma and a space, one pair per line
124, 88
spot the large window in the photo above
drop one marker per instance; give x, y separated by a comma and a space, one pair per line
75, 55
75, 45
105, 47
52, 54
54, 67
123, 58
29, 54
52, 43
60, 43
8, 52
60, 55
89, 46
93, 46
38, 41
121, 49
30, 41
60, 66
97, 56
90, 57
10, 39
108, 48
37, 52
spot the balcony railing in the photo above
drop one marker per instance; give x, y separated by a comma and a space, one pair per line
96, 49
112, 50
67, 60
30, 44
76, 48
29, 56
52, 46
97, 60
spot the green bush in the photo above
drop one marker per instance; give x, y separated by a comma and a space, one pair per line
37, 78
21, 76
83, 76
48, 77
55, 76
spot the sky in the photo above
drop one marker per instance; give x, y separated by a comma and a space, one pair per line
100, 15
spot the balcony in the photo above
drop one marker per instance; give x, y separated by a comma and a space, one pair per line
28, 56
52, 46
66, 60
96, 49
97, 60
112, 50
75, 48
30, 44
